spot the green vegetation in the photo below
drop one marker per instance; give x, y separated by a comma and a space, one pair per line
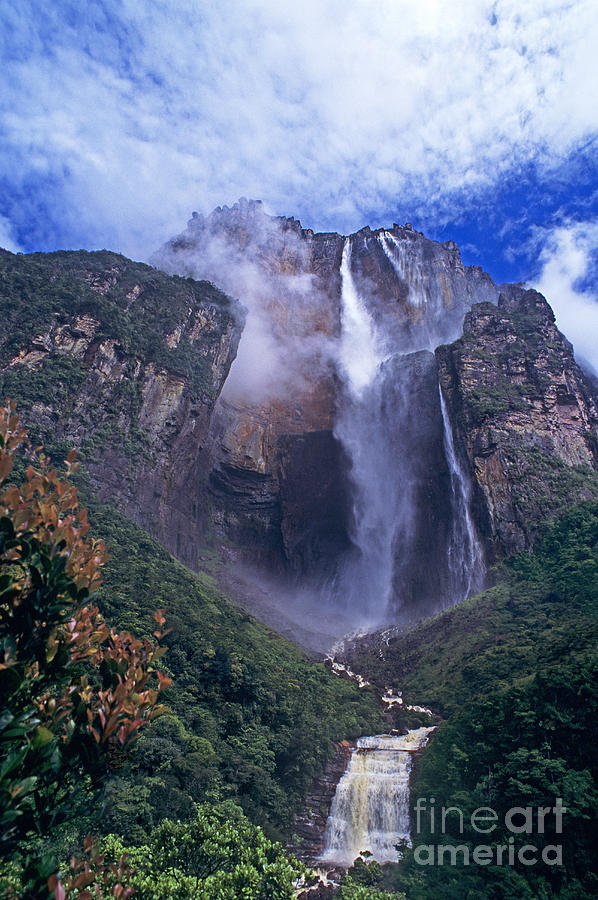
515, 671
72, 691
194, 807
518, 333
251, 719
44, 299
51, 382
364, 881
545, 483
40, 289
216, 855
501, 396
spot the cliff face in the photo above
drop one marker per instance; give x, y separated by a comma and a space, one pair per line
285, 483
525, 414
417, 290
276, 415
309, 829
126, 363
280, 480
289, 461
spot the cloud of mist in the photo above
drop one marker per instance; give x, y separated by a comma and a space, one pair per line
119, 116
288, 340
568, 254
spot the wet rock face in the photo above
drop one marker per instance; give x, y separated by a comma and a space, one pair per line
132, 365
417, 451
279, 495
526, 416
277, 411
126, 363
278, 484
309, 829
418, 290
313, 522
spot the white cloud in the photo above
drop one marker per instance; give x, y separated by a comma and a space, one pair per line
7, 241
566, 258
137, 113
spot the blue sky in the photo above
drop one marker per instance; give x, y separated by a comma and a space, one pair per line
474, 120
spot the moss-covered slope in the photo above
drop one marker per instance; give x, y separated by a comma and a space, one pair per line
251, 718
126, 363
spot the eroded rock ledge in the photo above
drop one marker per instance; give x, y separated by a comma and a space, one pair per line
310, 825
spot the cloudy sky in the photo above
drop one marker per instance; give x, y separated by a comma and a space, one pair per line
475, 120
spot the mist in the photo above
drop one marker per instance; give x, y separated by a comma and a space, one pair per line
289, 338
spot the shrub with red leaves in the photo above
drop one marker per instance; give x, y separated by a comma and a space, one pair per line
73, 691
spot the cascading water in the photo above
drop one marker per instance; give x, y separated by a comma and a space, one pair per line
465, 557
359, 354
434, 321
370, 809
413, 275
394, 428
365, 431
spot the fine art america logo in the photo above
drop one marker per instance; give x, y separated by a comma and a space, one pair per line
518, 820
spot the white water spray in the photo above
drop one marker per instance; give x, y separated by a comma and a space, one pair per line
359, 351
396, 449
370, 810
466, 561
432, 290
365, 428
413, 274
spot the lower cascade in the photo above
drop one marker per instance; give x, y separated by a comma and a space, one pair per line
370, 809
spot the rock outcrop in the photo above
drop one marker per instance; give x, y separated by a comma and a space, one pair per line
135, 367
310, 825
525, 414
125, 363
280, 482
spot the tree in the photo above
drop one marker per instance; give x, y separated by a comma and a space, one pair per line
217, 855
74, 692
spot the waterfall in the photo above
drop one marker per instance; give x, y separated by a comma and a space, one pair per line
413, 275
434, 318
365, 429
413, 544
359, 352
370, 809
465, 558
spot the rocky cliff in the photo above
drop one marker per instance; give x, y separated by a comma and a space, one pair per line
283, 461
280, 479
284, 480
125, 363
526, 416
309, 829
276, 414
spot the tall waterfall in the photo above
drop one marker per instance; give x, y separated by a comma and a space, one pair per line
370, 810
434, 321
359, 349
414, 548
412, 274
364, 428
465, 557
